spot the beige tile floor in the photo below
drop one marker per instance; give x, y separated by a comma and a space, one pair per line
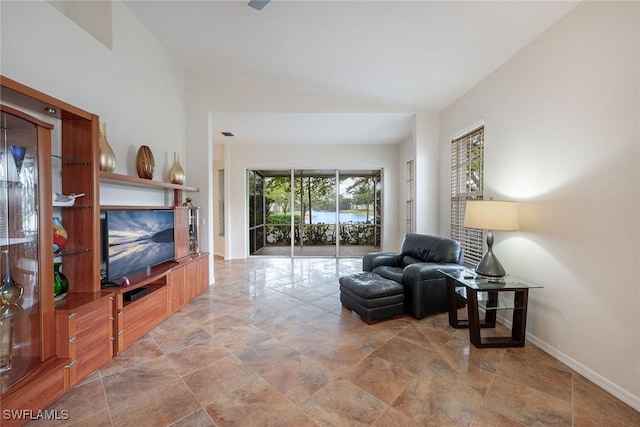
270, 345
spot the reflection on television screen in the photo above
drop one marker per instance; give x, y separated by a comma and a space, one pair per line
138, 239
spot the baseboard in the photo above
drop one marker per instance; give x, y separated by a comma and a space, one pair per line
610, 387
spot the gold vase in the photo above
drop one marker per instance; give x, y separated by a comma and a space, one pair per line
176, 173
107, 156
145, 164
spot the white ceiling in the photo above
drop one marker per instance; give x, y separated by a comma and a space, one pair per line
421, 55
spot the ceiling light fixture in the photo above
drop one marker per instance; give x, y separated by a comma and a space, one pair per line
50, 110
227, 133
258, 4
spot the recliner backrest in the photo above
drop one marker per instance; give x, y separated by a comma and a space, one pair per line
432, 248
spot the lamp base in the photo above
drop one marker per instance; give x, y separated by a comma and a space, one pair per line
490, 267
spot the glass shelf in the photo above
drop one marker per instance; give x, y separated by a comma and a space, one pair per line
69, 252
73, 207
71, 160
505, 302
16, 240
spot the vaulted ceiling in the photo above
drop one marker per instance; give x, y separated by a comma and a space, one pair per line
421, 55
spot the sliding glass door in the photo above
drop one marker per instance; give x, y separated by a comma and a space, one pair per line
257, 234
360, 213
315, 199
314, 212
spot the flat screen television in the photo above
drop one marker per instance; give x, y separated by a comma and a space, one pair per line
137, 239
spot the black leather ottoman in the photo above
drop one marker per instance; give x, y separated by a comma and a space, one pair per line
372, 296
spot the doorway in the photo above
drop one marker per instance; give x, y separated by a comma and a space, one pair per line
302, 212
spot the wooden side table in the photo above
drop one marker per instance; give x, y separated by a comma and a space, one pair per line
496, 299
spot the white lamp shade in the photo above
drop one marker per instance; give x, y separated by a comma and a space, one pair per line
492, 215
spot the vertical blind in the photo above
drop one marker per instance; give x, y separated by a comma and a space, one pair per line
410, 191
467, 183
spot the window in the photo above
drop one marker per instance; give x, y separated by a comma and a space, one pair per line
467, 183
410, 185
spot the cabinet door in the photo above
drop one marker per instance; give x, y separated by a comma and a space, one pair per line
175, 282
203, 273
49, 387
181, 231
194, 230
191, 281
26, 309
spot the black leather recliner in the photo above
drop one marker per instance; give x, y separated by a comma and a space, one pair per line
416, 268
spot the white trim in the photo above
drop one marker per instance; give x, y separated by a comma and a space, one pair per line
468, 129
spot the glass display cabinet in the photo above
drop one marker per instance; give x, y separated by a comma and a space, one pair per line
194, 230
23, 311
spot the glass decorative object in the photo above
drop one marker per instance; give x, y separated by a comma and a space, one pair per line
10, 291
59, 235
60, 282
145, 164
6, 332
107, 156
18, 152
176, 173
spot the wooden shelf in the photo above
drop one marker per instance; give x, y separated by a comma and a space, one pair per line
131, 180
154, 275
133, 207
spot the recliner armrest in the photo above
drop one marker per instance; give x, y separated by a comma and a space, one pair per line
427, 270
377, 259
424, 288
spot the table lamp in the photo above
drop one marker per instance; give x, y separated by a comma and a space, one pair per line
491, 215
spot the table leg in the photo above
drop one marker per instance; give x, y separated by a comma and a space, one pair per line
519, 321
474, 317
452, 302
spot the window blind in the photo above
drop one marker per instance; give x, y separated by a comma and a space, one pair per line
467, 183
410, 196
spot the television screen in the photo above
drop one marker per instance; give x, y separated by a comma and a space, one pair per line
138, 239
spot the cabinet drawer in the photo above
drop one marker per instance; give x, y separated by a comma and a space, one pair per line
143, 315
66, 335
93, 358
91, 338
84, 335
93, 315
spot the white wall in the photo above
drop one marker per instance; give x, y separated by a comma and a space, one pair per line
562, 135
283, 157
136, 87
427, 170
